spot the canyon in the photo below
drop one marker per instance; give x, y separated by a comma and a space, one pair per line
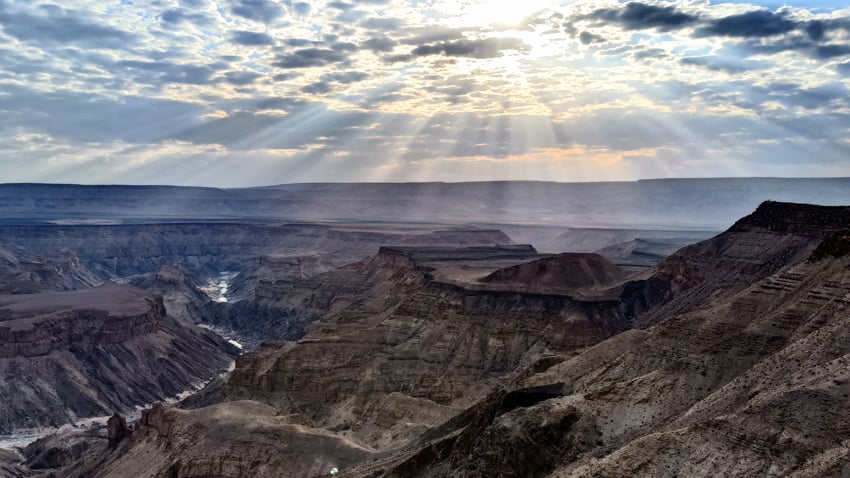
404, 349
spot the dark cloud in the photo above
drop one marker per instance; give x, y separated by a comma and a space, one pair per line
54, 25
825, 52
379, 44
310, 57
346, 77
299, 42
720, 63
259, 10
485, 48
318, 88
770, 31
246, 38
241, 78
176, 16
816, 30
758, 23
640, 16
400, 58
587, 38
798, 43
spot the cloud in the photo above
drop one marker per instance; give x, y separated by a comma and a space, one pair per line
757, 23
310, 57
175, 17
246, 38
484, 48
390, 83
157, 72
265, 11
639, 16
380, 44
241, 78
587, 38
54, 25
720, 63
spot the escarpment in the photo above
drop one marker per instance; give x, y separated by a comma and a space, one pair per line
88, 353
774, 236
127, 249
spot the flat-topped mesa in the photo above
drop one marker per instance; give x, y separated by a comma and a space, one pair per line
563, 272
426, 254
88, 353
800, 219
37, 324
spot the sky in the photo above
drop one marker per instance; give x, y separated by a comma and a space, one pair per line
233, 93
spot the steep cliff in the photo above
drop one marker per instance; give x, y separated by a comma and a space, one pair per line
775, 236
70, 355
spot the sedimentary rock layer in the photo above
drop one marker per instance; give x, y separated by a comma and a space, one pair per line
70, 355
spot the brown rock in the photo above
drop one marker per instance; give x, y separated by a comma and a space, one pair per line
116, 429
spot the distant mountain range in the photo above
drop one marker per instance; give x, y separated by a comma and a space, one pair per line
711, 204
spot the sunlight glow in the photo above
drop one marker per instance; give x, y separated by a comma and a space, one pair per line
502, 12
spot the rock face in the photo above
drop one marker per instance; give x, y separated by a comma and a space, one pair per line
750, 382
407, 339
775, 236
70, 355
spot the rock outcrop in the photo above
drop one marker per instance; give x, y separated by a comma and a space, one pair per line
70, 355
116, 429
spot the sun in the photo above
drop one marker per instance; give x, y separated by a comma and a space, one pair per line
502, 12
